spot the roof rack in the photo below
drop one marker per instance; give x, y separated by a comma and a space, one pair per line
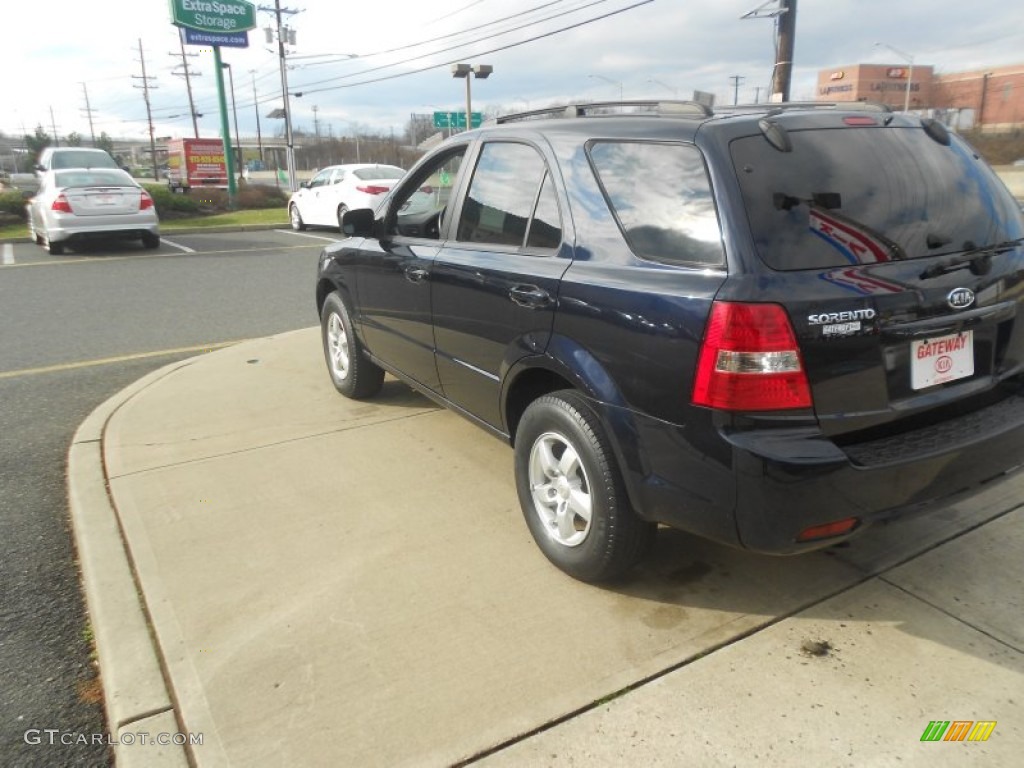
593, 109
779, 108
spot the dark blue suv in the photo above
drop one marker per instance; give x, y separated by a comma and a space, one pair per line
767, 325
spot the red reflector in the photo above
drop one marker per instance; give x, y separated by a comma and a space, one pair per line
61, 204
146, 202
861, 120
373, 189
750, 361
828, 530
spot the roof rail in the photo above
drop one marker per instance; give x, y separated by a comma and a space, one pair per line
654, 107
779, 108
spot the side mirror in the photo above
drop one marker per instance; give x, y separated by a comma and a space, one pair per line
358, 222
304, 185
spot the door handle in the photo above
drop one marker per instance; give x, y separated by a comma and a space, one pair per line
415, 274
530, 296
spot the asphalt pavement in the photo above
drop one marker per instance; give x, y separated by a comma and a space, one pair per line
279, 576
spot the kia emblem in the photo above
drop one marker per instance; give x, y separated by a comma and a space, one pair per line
960, 298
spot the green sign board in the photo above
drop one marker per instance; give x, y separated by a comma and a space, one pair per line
214, 15
456, 119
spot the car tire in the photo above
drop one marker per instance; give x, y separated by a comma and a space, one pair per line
571, 491
341, 212
55, 249
352, 372
296, 218
149, 240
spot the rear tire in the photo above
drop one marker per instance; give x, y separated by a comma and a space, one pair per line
55, 249
341, 212
352, 372
571, 491
149, 240
295, 218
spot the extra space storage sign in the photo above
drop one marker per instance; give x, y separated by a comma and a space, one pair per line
214, 15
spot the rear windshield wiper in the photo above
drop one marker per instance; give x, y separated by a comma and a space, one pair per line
977, 260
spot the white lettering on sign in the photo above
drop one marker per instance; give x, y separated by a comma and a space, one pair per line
214, 7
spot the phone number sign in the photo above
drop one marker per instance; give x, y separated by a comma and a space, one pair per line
214, 15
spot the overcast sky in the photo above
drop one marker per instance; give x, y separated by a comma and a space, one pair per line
643, 49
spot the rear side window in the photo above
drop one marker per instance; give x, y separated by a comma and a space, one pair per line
865, 195
510, 195
662, 199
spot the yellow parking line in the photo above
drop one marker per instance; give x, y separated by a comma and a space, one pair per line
118, 359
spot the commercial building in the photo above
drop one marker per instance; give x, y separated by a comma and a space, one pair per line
992, 99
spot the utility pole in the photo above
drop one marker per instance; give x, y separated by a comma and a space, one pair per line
316, 123
783, 73
188, 79
736, 80
234, 112
256, 104
757, 94
56, 138
284, 35
149, 112
88, 111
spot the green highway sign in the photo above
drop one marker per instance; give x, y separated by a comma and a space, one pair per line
456, 119
214, 15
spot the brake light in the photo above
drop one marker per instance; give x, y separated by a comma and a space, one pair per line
146, 201
749, 360
373, 189
828, 530
61, 204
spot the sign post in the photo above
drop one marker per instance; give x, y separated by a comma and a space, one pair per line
215, 23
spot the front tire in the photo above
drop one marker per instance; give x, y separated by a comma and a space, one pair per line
571, 491
296, 218
352, 372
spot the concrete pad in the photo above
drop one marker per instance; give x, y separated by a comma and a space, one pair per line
369, 595
154, 742
976, 578
889, 544
896, 664
278, 391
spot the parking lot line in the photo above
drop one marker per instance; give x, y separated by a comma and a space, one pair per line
306, 234
8, 254
180, 247
117, 359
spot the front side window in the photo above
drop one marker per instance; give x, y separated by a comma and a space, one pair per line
503, 196
418, 206
320, 179
661, 196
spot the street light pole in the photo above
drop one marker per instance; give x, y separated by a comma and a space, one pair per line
481, 71
234, 113
910, 71
609, 80
256, 104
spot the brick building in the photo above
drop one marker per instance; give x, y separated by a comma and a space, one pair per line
991, 98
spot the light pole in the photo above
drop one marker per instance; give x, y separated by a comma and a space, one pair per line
256, 104
675, 91
234, 112
609, 80
481, 71
910, 71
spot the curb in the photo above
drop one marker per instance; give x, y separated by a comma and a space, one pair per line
136, 693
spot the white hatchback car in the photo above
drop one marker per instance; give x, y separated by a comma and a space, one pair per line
78, 204
322, 200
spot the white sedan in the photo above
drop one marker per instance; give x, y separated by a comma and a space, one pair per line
322, 200
77, 204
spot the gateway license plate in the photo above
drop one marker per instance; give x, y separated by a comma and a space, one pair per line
942, 359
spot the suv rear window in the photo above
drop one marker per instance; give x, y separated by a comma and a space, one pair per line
863, 195
661, 197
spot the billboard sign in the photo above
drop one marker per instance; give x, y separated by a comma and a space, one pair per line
214, 15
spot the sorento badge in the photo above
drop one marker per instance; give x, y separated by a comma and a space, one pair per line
960, 298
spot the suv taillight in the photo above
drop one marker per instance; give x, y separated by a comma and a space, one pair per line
145, 202
61, 204
749, 360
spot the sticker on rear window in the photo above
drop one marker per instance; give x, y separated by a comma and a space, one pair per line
858, 243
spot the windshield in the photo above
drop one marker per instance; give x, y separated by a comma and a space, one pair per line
82, 159
378, 172
865, 195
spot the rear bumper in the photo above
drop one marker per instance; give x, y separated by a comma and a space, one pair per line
759, 489
134, 228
